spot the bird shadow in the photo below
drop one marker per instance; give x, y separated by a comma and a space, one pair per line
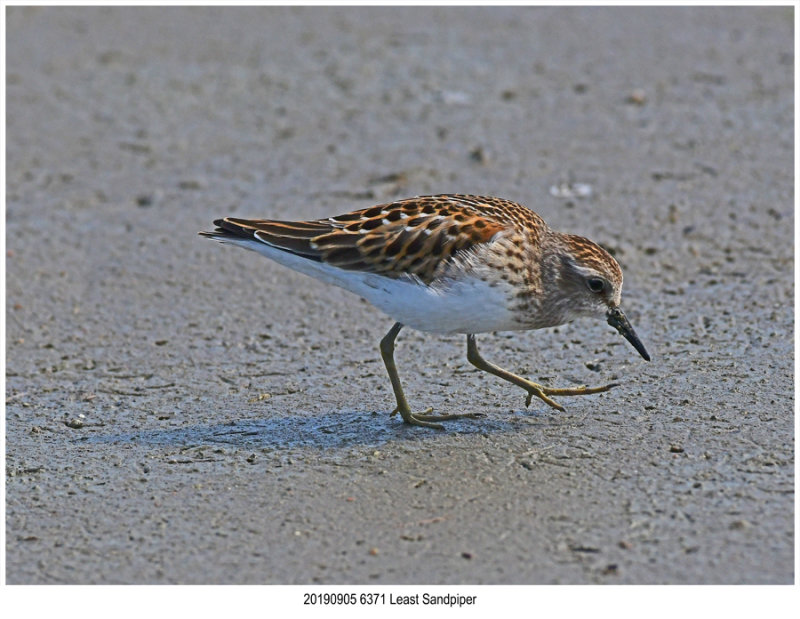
334, 430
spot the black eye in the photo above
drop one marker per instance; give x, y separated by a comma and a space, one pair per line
596, 284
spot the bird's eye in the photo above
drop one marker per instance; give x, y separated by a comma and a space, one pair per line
596, 284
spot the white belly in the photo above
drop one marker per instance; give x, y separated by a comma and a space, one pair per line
465, 306
468, 305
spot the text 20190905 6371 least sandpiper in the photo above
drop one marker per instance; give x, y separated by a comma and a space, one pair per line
450, 264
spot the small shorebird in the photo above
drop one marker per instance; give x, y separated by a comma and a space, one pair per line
450, 264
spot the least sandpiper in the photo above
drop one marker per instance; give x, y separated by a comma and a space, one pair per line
450, 264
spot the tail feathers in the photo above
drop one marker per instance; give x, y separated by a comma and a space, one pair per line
295, 237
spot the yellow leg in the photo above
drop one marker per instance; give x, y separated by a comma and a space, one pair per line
533, 389
415, 419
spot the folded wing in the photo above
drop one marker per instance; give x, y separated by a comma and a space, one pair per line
416, 236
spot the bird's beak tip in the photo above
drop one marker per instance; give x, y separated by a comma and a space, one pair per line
617, 319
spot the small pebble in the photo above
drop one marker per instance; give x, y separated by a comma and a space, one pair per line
637, 97
477, 155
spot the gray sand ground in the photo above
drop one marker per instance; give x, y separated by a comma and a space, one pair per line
183, 412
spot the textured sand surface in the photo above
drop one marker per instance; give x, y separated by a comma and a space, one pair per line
184, 412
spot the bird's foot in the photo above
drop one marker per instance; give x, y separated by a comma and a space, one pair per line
425, 419
541, 392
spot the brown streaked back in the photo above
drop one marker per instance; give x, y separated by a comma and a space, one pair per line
415, 236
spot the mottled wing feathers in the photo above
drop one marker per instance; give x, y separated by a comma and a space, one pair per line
416, 236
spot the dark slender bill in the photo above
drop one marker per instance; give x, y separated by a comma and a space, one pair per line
617, 319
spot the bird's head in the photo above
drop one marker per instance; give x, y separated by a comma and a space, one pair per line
589, 283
